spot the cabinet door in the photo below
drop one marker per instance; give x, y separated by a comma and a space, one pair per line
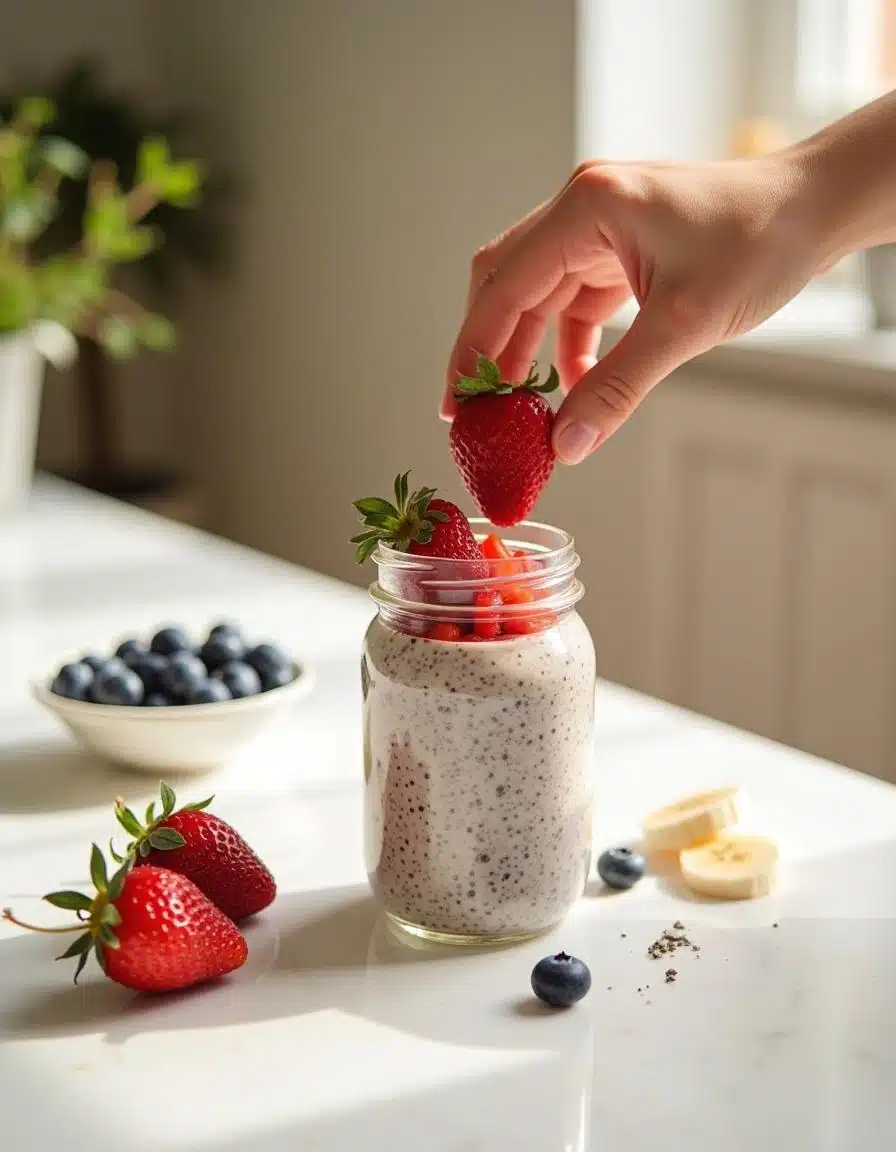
771, 575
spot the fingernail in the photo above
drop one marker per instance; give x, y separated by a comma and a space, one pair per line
573, 442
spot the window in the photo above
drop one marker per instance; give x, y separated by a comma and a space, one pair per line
845, 56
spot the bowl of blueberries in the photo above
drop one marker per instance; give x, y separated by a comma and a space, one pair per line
171, 703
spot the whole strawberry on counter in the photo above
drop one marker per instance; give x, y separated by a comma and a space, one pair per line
150, 929
419, 523
501, 440
202, 847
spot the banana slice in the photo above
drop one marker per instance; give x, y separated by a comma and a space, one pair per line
731, 867
690, 821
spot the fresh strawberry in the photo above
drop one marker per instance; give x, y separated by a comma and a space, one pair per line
417, 523
501, 440
151, 929
200, 846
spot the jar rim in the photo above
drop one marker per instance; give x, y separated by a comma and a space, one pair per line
440, 588
482, 527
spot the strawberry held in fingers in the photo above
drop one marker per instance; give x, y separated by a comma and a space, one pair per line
150, 929
200, 846
501, 440
418, 523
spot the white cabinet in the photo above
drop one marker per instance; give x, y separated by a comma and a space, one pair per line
769, 550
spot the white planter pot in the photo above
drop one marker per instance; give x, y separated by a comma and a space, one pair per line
21, 378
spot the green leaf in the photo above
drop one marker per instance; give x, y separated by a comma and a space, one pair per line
98, 873
471, 386
116, 856
116, 884
18, 297
68, 285
63, 157
82, 961
152, 161
365, 550
373, 534
168, 798
128, 821
118, 337
165, 839
488, 371
27, 214
374, 506
181, 184
401, 490
78, 947
157, 333
35, 111
108, 937
198, 805
100, 957
144, 848
150, 817
111, 916
70, 901
551, 384
132, 245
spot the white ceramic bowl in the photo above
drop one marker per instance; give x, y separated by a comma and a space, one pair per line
190, 738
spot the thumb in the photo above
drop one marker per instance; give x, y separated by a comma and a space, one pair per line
605, 397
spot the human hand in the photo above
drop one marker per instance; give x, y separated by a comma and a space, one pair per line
708, 251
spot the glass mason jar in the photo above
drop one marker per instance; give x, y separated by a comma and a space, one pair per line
478, 732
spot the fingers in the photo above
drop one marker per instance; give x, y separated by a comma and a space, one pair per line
579, 329
531, 269
609, 392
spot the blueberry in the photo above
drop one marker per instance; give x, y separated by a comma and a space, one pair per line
224, 628
155, 700
266, 656
170, 640
276, 676
221, 648
621, 867
73, 681
560, 980
149, 666
241, 679
97, 663
209, 692
117, 684
128, 648
183, 673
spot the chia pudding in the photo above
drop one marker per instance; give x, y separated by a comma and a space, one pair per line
478, 778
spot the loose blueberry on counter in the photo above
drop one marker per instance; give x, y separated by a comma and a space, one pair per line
149, 666
97, 663
170, 640
155, 700
184, 673
117, 684
621, 867
73, 681
209, 692
241, 679
221, 648
127, 649
560, 980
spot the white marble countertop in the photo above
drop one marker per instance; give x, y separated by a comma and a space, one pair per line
335, 1038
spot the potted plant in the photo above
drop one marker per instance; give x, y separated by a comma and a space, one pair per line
50, 286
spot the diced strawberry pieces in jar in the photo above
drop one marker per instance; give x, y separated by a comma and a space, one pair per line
445, 630
487, 627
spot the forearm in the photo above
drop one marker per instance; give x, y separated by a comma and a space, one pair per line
848, 177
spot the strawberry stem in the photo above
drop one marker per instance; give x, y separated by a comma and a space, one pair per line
8, 915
